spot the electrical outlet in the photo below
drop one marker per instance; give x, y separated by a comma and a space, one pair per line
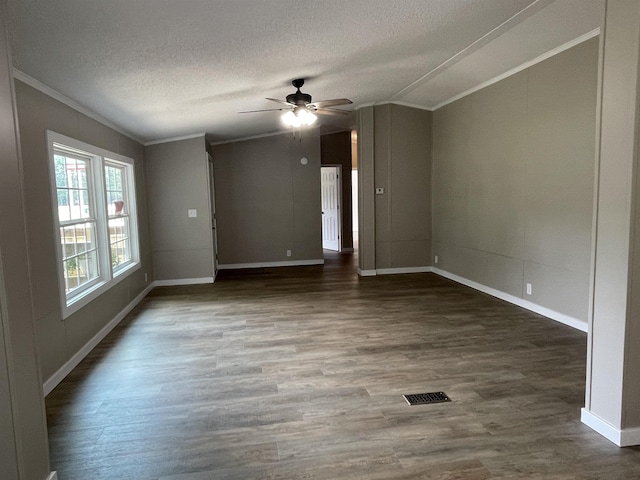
436, 259
145, 277
192, 212
529, 289
288, 253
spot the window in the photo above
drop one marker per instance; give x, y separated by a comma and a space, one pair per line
94, 204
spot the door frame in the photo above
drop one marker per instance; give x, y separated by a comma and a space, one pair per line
338, 168
212, 215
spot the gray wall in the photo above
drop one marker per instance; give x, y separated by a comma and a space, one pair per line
267, 202
403, 169
23, 430
394, 150
513, 173
59, 340
365, 118
178, 181
336, 150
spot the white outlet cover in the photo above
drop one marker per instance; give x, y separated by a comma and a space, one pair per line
192, 212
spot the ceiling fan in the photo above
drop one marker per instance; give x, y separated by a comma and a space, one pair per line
300, 110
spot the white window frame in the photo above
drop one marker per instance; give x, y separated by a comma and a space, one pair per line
108, 276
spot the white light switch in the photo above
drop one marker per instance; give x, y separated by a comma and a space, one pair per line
193, 213
529, 289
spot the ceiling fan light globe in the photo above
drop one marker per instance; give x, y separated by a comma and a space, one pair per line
311, 118
289, 119
305, 117
298, 118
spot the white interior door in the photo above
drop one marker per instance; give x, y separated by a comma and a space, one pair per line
331, 208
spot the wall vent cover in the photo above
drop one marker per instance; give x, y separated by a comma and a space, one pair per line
425, 398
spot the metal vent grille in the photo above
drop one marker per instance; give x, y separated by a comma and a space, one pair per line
425, 398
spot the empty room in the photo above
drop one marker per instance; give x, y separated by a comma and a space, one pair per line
331, 239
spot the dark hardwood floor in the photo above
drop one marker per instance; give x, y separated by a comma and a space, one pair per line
298, 373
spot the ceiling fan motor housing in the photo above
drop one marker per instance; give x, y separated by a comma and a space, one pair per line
299, 98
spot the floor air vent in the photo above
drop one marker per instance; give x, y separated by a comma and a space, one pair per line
425, 398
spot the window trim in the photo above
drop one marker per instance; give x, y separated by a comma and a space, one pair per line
108, 276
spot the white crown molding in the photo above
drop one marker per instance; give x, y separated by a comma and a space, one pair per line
41, 87
394, 102
411, 105
524, 66
477, 44
174, 139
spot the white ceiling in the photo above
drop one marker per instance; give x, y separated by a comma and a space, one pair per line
161, 69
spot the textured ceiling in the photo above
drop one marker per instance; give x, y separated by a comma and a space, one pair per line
166, 68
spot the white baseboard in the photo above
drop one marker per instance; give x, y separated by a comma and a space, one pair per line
293, 263
605, 429
393, 271
52, 476
552, 314
183, 281
630, 437
626, 437
73, 362
367, 273
396, 271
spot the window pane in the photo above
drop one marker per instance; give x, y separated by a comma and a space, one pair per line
79, 254
115, 193
80, 270
68, 242
63, 198
119, 240
60, 170
72, 187
64, 212
82, 174
86, 210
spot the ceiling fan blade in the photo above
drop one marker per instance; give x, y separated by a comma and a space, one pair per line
331, 111
266, 110
281, 101
331, 103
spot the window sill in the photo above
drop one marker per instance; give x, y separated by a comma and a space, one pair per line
96, 291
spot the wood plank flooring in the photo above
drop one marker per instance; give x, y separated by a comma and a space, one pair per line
298, 373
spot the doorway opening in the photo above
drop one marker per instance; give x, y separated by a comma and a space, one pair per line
354, 188
212, 213
331, 188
